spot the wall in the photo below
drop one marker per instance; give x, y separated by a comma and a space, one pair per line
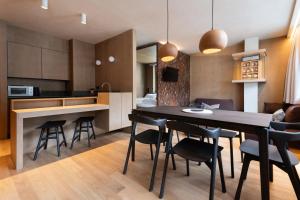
211, 75
3, 80
82, 61
140, 79
122, 73
174, 93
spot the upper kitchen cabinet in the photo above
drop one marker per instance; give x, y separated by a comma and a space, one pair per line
24, 61
55, 65
82, 58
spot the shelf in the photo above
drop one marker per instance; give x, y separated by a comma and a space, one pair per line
250, 81
239, 56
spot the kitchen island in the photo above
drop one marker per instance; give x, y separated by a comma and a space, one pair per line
27, 114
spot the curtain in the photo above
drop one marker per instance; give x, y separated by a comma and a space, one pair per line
292, 80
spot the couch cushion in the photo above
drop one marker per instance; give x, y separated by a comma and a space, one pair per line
292, 114
225, 104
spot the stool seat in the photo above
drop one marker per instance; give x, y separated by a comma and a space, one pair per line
52, 124
84, 119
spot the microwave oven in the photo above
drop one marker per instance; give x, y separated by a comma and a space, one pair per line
20, 91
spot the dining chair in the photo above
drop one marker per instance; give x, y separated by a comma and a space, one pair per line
281, 133
195, 150
149, 137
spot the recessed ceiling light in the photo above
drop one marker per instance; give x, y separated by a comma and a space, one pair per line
83, 18
44, 4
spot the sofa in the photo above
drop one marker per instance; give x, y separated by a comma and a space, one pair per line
292, 111
225, 104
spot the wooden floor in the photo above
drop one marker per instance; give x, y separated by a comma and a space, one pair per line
97, 174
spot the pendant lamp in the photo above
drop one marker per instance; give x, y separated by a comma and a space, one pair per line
214, 40
168, 51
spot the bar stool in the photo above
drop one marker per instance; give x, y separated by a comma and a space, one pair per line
83, 124
51, 130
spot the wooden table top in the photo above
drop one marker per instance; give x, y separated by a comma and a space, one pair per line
235, 117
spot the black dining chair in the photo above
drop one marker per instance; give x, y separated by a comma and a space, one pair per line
279, 154
150, 137
195, 150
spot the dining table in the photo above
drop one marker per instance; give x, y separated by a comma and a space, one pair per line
247, 122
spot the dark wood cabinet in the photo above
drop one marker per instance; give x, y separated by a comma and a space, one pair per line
24, 61
55, 65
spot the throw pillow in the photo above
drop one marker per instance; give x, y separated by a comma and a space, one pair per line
210, 107
278, 115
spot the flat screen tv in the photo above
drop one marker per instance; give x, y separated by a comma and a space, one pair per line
170, 74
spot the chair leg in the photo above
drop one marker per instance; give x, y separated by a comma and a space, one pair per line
38, 145
291, 170
221, 173
128, 155
177, 136
57, 142
173, 161
271, 172
231, 158
133, 151
212, 179
64, 137
79, 133
241, 140
151, 151
155, 164
187, 167
163, 182
242, 177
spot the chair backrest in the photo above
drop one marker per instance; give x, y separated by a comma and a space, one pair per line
161, 123
193, 130
284, 132
225, 104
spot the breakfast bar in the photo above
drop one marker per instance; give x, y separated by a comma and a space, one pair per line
35, 108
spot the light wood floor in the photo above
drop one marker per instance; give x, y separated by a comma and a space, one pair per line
97, 174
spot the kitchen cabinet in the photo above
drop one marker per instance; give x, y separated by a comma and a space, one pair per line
24, 61
120, 105
55, 65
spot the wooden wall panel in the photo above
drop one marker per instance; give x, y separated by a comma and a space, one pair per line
120, 73
3, 81
82, 58
211, 75
174, 93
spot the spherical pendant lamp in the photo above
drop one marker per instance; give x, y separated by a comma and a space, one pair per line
214, 40
168, 51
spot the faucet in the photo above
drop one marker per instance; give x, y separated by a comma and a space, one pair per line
108, 85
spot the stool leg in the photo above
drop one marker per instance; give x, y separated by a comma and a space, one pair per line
46, 142
187, 167
74, 135
64, 137
231, 158
57, 142
80, 127
88, 133
92, 126
38, 145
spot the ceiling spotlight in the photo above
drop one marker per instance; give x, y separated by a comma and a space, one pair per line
83, 18
44, 4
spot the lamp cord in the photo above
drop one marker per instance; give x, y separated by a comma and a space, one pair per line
212, 15
167, 21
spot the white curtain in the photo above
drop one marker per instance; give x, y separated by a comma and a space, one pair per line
292, 81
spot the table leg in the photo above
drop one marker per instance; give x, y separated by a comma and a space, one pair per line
264, 164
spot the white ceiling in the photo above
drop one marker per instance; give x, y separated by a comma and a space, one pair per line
189, 19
